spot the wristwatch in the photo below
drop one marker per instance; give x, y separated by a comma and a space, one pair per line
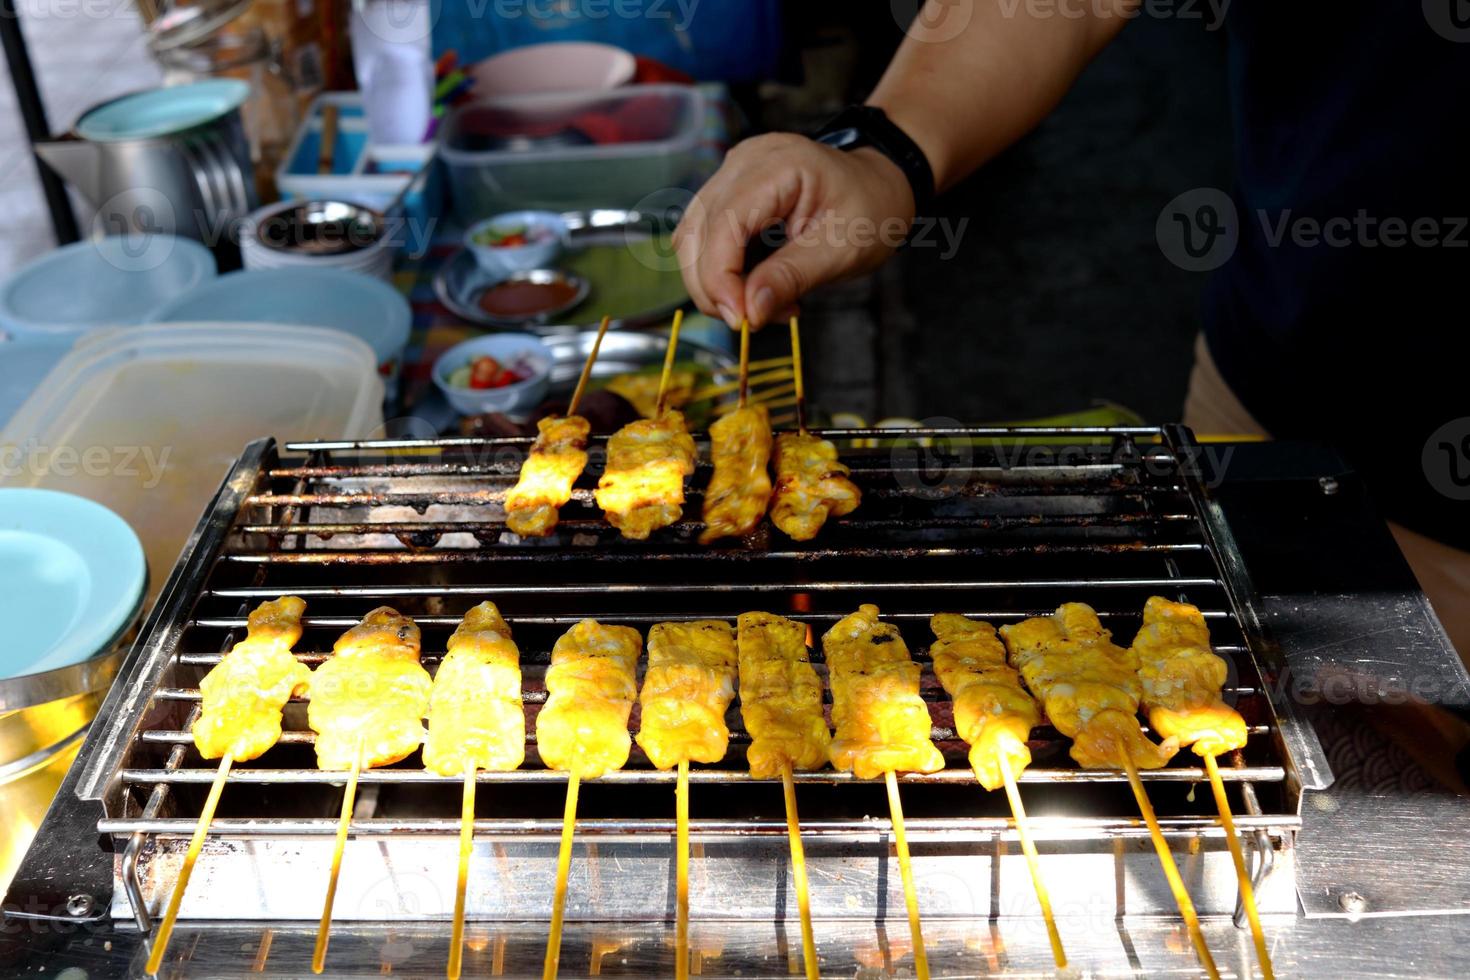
864, 125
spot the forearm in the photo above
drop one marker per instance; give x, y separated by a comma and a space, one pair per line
966, 98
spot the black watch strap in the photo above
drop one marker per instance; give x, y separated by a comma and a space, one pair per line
864, 125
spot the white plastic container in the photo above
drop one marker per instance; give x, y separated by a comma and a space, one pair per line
564, 167
148, 420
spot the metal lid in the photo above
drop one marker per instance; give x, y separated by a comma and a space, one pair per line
183, 26
321, 228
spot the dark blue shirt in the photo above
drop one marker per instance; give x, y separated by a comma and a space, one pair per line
1342, 314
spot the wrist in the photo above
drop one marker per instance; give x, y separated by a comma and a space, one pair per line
858, 127
920, 128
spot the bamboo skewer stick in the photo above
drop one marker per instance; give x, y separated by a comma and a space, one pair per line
587, 368
796, 370
1242, 873
196, 844
798, 873
757, 377
563, 869
1028, 848
1171, 871
344, 823
663, 381
466, 845
744, 362
681, 859
906, 872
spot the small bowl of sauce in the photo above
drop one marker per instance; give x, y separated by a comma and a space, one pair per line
538, 296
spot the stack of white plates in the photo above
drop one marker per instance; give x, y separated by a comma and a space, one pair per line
318, 235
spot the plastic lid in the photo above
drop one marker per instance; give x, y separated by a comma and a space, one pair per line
360, 305
163, 111
126, 278
71, 578
148, 420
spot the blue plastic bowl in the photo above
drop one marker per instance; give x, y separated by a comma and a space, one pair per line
520, 258
507, 348
354, 303
115, 281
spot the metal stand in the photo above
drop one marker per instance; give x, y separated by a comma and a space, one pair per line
28, 96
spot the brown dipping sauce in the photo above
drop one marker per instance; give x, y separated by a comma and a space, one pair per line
526, 299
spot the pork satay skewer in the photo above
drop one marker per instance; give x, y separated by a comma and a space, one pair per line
1090, 690
476, 721
883, 727
368, 702
556, 460
740, 446
781, 705
642, 485
1182, 681
688, 687
994, 714
243, 696
583, 731
811, 484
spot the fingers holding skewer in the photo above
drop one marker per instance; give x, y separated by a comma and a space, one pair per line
196, 844
1242, 872
344, 823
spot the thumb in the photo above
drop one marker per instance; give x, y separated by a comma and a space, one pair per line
788, 274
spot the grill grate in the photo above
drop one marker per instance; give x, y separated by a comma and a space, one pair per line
1000, 524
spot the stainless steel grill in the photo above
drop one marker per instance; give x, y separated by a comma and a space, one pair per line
996, 523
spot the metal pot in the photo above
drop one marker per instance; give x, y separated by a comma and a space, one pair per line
43, 720
193, 180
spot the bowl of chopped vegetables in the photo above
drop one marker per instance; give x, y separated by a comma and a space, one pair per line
506, 372
518, 241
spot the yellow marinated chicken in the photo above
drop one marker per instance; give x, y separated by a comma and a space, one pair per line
244, 694
592, 683
557, 458
992, 711
780, 697
642, 487
811, 485
1182, 679
883, 724
689, 685
372, 691
740, 488
476, 719
641, 390
1088, 686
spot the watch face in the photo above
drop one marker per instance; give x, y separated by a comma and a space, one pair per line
844, 139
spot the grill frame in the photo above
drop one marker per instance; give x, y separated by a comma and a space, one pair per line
1299, 763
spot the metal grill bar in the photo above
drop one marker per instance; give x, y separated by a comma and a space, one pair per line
968, 829
642, 777
679, 588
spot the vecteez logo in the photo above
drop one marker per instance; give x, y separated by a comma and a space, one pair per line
1199, 230
1446, 459
1450, 19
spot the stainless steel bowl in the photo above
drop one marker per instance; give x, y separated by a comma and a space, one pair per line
321, 228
